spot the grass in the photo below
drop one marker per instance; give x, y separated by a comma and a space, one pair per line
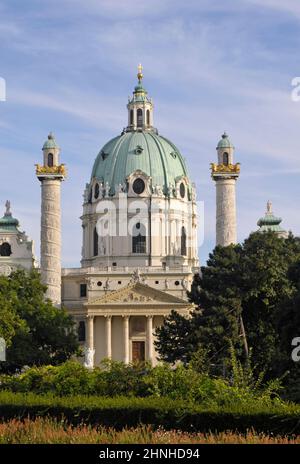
51, 431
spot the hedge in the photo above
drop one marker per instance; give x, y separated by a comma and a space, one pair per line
170, 414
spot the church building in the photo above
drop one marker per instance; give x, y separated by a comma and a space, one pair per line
139, 235
139, 238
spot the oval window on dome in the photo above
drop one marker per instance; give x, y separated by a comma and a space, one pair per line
182, 190
138, 186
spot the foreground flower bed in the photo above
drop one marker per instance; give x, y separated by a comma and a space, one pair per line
122, 412
50, 431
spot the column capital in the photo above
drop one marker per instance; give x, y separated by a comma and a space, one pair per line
89, 317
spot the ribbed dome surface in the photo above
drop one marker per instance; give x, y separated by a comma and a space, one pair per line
139, 150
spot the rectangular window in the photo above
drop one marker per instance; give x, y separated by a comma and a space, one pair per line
83, 291
81, 331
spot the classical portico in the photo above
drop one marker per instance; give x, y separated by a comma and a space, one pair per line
121, 325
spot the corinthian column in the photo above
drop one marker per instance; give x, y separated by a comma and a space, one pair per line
150, 338
126, 338
108, 336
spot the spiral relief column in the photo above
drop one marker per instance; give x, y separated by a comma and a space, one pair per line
225, 174
51, 174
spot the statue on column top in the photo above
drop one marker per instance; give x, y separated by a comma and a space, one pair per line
7, 206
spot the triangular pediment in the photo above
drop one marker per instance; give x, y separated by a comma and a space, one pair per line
136, 294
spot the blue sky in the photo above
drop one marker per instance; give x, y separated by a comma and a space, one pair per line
210, 66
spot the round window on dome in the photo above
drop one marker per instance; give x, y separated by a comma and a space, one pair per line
182, 190
138, 186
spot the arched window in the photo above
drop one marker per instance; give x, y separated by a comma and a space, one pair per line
96, 242
50, 160
5, 249
183, 241
96, 191
131, 117
139, 239
139, 115
225, 159
148, 117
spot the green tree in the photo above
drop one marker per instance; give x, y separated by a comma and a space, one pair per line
238, 295
175, 339
288, 324
266, 283
205, 337
36, 332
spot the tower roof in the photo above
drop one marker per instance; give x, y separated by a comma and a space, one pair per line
225, 142
8, 222
50, 142
270, 222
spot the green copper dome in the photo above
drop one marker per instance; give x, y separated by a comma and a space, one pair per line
7, 222
50, 142
141, 150
225, 142
270, 222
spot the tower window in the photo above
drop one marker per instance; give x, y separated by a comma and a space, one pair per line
5, 249
139, 115
226, 159
96, 242
131, 117
148, 117
183, 241
50, 160
83, 292
139, 239
81, 331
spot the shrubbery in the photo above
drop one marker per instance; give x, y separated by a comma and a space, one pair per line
121, 412
117, 379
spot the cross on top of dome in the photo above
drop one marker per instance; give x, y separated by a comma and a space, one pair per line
140, 72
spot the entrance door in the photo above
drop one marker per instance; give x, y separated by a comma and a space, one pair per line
138, 351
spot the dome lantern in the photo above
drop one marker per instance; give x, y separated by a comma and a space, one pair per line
140, 107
